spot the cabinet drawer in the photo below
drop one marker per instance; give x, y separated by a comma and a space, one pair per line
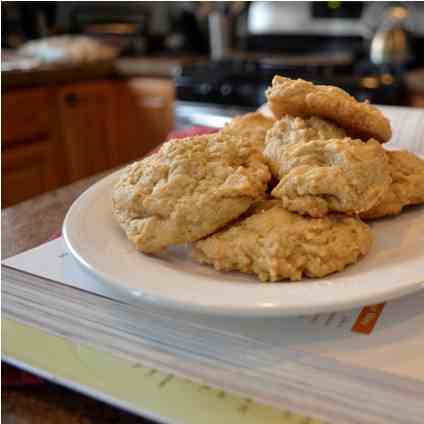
25, 115
28, 170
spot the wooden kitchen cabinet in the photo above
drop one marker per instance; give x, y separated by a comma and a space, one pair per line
87, 121
27, 171
145, 115
56, 135
31, 152
106, 124
25, 116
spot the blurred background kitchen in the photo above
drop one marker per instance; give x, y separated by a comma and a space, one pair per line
88, 86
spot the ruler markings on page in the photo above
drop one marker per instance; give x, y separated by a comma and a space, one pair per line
132, 386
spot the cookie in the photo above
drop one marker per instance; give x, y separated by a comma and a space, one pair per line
278, 245
251, 125
340, 175
290, 130
188, 189
302, 98
407, 187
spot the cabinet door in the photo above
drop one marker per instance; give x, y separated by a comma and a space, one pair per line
26, 115
27, 170
87, 126
145, 112
32, 159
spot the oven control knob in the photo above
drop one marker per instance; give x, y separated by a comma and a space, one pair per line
226, 89
205, 88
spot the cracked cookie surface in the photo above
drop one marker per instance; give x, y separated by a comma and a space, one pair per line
407, 187
340, 175
252, 125
278, 245
292, 130
302, 98
188, 189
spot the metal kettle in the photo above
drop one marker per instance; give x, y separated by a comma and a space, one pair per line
391, 43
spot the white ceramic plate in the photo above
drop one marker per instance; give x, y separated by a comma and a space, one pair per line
394, 267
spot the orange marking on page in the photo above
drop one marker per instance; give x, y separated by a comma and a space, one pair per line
367, 318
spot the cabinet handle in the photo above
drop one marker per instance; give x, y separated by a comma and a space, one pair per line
71, 99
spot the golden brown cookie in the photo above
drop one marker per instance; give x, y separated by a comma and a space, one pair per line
251, 125
188, 189
277, 244
290, 130
407, 187
341, 175
302, 98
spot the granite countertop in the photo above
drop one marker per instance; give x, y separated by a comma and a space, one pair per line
51, 404
14, 77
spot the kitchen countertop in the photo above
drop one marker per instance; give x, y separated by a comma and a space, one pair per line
159, 66
51, 404
154, 66
34, 221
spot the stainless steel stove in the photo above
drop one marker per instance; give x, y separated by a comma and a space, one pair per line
243, 82
190, 114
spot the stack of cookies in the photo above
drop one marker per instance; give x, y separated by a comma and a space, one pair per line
280, 197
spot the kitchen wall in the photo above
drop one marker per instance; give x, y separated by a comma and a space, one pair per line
159, 11
289, 17
294, 12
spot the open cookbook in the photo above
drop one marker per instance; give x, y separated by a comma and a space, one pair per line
147, 349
